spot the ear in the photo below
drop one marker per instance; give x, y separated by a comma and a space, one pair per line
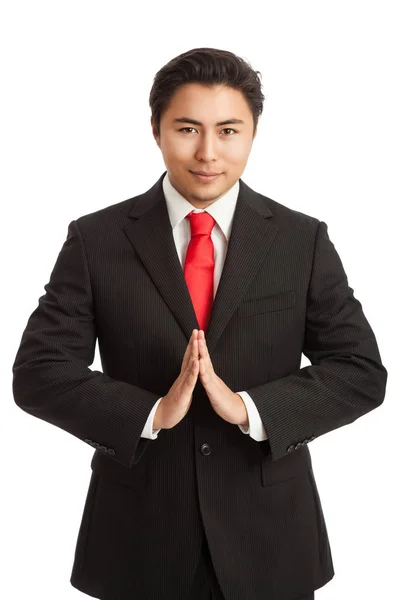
155, 135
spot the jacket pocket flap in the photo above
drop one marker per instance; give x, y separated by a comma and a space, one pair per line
111, 469
288, 467
280, 301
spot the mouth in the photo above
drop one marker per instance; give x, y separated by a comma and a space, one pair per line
202, 177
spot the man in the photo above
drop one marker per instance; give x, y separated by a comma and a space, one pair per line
203, 295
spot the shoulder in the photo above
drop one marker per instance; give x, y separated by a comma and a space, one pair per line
106, 218
289, 219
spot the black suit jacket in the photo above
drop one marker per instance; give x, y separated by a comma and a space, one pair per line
283, 292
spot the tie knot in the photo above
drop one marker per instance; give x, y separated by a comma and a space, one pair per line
201, 223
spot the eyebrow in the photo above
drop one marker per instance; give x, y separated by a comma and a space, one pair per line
231, 121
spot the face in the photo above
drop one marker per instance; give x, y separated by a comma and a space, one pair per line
197, 143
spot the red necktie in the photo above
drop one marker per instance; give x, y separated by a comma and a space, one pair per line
199, 266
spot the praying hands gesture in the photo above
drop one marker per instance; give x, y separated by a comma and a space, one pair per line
227, 404
197, 362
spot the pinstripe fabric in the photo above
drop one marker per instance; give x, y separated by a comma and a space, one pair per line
283, 291
222, 211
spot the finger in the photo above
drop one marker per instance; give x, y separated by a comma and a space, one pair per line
193, 354
201, 366
202, 340
203, 348
195, 350
206, 359
192, 374
189, 350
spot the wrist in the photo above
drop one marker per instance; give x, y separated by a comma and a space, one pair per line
245, 424
245, 420
157, 421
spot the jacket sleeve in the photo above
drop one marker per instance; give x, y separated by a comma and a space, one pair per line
346, 378
51, 376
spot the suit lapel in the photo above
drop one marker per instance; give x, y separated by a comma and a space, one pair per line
149, 231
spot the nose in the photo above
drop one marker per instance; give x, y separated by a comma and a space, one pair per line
206, 150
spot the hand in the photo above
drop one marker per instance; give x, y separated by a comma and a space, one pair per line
227, 404
174, 406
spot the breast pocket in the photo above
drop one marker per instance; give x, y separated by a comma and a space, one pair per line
272, 303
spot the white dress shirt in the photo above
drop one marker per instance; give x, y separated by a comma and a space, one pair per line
222, 211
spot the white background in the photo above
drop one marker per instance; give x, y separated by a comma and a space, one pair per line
76, 137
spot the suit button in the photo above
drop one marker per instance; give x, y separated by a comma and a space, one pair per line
87, 440
298, 445
205, 449
103, 448
290, 448
312, 438
111, 451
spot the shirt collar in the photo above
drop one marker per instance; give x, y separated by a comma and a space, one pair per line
222, 210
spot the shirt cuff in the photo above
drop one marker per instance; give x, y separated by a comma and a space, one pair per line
148, 431
256, 428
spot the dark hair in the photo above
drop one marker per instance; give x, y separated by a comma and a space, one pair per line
208, 66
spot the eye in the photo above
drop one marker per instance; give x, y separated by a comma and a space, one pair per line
185, 129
